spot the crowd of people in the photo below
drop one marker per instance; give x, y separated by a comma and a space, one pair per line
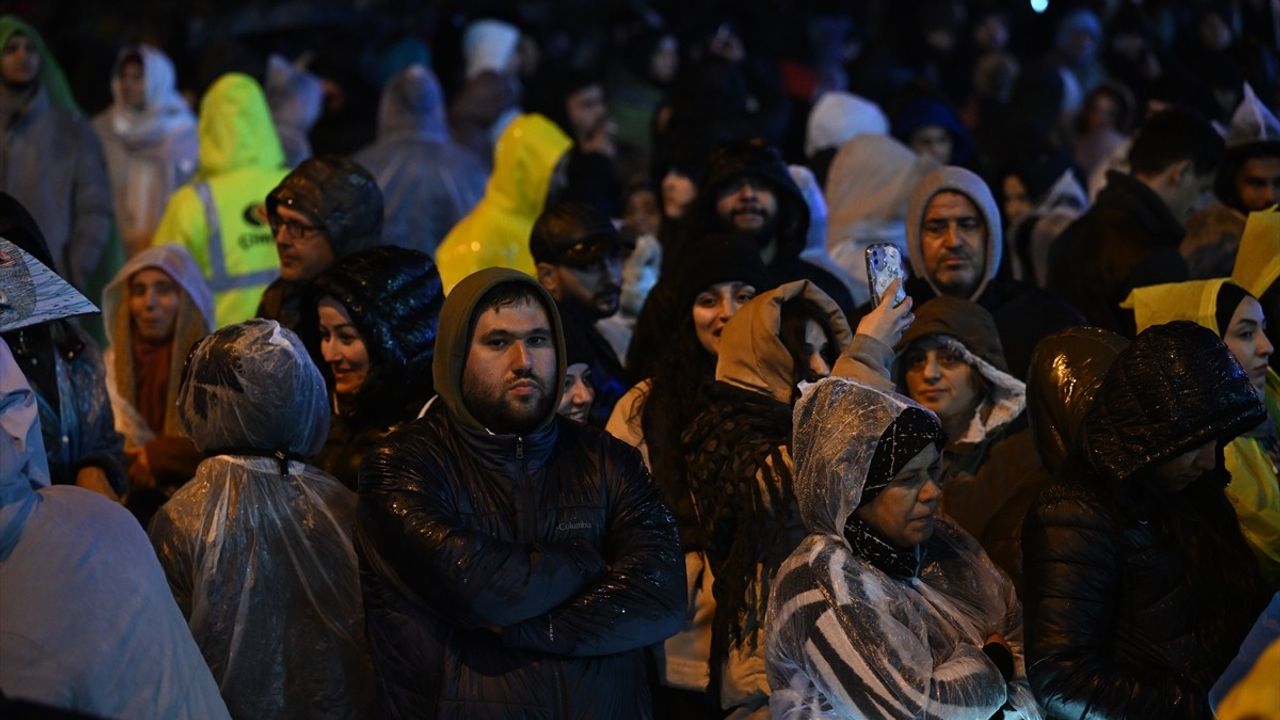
569, 387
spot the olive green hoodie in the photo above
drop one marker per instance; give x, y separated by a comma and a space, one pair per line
457, 321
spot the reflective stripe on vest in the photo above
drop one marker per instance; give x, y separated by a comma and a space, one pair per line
219, 280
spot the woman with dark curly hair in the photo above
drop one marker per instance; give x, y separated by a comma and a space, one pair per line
372, 329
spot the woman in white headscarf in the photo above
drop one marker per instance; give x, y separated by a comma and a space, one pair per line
148, 137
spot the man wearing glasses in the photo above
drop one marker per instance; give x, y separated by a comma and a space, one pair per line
326, 209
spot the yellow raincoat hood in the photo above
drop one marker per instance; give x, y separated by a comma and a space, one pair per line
496, 232
235, 127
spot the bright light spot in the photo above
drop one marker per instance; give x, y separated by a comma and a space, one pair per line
1039, 5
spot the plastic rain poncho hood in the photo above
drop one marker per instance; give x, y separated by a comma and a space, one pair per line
194, 320
846, 640
257, 546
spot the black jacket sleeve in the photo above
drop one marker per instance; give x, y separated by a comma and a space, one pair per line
641, 600
407, 515
1073, 584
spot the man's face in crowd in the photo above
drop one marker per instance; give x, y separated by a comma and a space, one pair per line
596, 288
575, 402
586, 111
19, 60
904, 513
1190, 192
1258, 183
509, 381
133, 89
1246, 337
303, 246
940, 380
953, 241
153, 304
933, 141
1176, 473
748, 204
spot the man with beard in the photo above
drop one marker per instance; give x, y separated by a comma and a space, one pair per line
514, 562
578, 256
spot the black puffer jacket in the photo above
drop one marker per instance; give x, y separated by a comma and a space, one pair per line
1136, 598
506, 576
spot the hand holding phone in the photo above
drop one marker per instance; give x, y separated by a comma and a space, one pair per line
884, 265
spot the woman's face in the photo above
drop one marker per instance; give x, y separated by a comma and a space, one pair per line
904, 513
1103, 113
1017, 201
678, 193
342, 348
712, 309
575, 401
1247, 339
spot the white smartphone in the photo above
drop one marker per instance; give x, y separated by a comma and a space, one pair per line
884, 264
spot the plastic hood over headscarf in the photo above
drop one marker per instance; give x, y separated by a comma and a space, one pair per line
257, 547
23, 467
194, 320
1066, 371
844, 639
957, 180
815, 241
496, 232
752, 356
868, 186
413, 104
489, 46
164, 111
236, 130
839, 117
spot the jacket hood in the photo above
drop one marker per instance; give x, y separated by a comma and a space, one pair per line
454, 338
295, 96
24, 467
730, 161
523, 162
1066, 370
252, 388
839, 117
235, 128
1175, 388
413, 104
871, 179
838, 425
164, 113
338, 193
51, 77
752, 356
489, 45
954, 179
1258, 257
1193, 300
1254, 132
393, 296
178, 264
969, 329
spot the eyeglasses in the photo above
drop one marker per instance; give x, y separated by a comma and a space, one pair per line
294, 229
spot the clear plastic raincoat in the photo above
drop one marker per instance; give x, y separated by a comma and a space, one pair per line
846, 640
257, 547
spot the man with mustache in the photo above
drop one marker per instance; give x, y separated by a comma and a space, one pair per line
578, 256
516, 563
954, 243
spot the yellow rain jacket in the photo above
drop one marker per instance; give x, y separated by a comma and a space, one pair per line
1254, 490
496, 231
218, 216
1257, 269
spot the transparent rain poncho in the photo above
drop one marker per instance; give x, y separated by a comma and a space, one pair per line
846, 640
257, 547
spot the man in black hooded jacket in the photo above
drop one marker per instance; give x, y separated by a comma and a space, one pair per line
513, 563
